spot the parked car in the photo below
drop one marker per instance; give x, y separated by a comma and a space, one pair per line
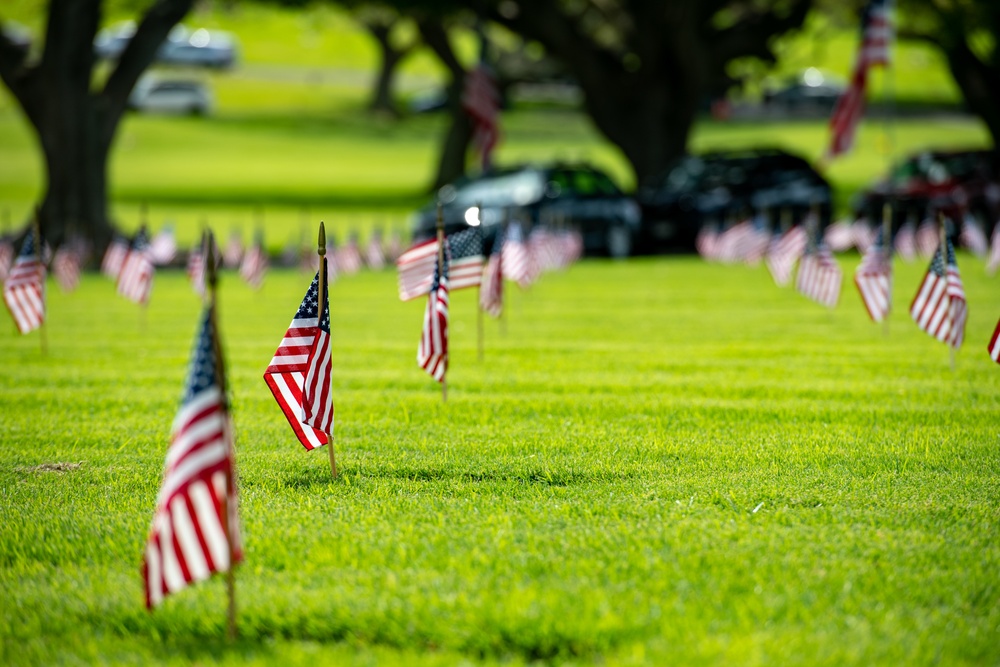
169, 95
713, 187
812, 90
952, 181
183, 46
577, 195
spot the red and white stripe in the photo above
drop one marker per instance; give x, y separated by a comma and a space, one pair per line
973, 237
926, 238
432, 353
820, 278
66, 267
135, 281
254, 266
839, 236
993, 261
785, 251
24, 292
994, 347
874, 281
491, 289
517, 262
6, 258
114, 258
939, 308
906, 242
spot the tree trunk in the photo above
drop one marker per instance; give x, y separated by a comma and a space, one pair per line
382, 100
979, 83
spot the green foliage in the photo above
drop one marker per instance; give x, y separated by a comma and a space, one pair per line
658, 462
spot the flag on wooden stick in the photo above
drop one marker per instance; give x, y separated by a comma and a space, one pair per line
939, 308
66, 266
254, 263
135, 280
432, 353
114, 257
195, 530
416, 266
24, 289
300, 372
784, 252
819, 277
873, 278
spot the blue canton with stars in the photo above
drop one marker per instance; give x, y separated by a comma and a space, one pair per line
309, 308
201, 373
467, 243
444, 265
141, 240
28, 248
937, 264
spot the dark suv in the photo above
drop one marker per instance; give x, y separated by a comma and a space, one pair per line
576, 195
713, 187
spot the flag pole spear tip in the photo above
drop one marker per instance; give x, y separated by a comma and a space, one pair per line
321, 247
210, 259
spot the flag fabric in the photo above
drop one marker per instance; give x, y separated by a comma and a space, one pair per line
757, 241
163, 247
839, 236
196, 270
481, 101
873, 278
135, 280
299, 375
416, 266
254, 265
939, 308
906, 241
517, 263
973, 237
926, 238
374, 255
994, 347
114, 257
24, 289
348, 256
491, 290
734, 242
864, 235
876, 37
819, 277
6, 257
784, 252
993, 261
232, 254
66, 267
432, 352
195, 530
707, 241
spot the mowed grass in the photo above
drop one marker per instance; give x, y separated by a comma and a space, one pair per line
658, 461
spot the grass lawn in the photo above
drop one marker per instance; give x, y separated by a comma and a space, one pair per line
659, 462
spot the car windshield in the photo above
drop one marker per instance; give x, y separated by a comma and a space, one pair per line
517, 189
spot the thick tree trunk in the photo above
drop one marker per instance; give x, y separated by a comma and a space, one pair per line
382, 100
979, 83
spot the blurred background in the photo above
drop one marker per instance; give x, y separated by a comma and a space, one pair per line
269, 116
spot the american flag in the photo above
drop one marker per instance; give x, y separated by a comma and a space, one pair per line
416, 266
819, 277
994, 347
374, 255
926, 237
6, 257
758, 240
232, 254
481, 101
784, 252
906, 241
939, 307
196, 270
491, 291
432, 353
863, 234
114, 257
542, 248
24, 289
135, 280
873, 278
993, 261
348, 256
839, 236
973, 237
707, 242
300, 372
254, 264
735, 244
876, 37
163, 247
517, 262
395, 247
195, 530
66, 267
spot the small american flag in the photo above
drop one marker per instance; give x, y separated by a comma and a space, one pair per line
735, 242
876, 37
163, 247
135, 280
6, 257
416, 266
758, 240
432, 353
66, 267
994, 347
374, 255
254, 264
926, 238
196, 270
784, 252
232, 254
481, 101
707, 242
114, 257
24, 289
195, 530
299, 374
863, 234
906, 241
973, 237
517, 263
491, 291
839, 236
939, 307
348, 256
873, 278
993, 261
819, 277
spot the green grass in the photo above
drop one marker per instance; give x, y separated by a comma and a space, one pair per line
658, 462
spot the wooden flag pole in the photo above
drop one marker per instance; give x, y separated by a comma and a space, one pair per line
39, 250
943, 235
220, 371
321, 251
887, 250
479, 306
440, 267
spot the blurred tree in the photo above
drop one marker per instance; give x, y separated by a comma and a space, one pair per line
647, 67
968, 34
385, 25
74, 113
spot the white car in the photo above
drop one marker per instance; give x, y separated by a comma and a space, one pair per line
176, 96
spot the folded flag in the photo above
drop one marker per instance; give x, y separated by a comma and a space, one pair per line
299, 375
